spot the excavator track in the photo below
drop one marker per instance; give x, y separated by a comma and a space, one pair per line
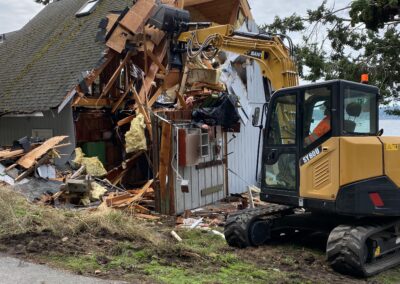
252, 227
364, 250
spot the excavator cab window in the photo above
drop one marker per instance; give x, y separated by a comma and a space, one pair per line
360, 112
317, 115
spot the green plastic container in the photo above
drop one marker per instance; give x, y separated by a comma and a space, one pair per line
95, 149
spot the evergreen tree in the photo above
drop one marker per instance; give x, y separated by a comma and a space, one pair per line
363, 37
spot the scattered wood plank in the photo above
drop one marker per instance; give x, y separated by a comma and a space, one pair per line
30, 158
8, 154
118, 200
34, 166
139, 196
148, 217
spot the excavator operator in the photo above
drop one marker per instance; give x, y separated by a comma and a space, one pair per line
323, 127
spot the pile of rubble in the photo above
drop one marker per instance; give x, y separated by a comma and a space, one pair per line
143, 103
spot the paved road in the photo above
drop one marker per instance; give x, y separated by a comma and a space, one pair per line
15, 271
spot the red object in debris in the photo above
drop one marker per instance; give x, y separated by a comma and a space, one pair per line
376, 199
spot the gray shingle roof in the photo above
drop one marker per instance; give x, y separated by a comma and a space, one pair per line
41, 62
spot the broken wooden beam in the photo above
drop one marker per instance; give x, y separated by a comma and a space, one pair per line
115, 75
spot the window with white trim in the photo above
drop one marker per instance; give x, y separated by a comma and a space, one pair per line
87, 8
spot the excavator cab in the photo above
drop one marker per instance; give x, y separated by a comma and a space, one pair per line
302, 139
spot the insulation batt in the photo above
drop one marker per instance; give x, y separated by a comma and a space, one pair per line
93, 166
135, 138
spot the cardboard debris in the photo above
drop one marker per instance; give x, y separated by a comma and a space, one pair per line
135, 138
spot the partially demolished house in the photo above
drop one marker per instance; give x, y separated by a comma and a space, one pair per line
96, 72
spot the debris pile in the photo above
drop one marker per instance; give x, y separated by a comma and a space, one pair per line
25, 159
142, 118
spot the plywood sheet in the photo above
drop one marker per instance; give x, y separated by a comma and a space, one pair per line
137, 16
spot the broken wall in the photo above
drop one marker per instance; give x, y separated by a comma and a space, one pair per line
14, 127
243, 146
206, 181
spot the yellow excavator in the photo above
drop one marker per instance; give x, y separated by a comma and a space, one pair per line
325, 165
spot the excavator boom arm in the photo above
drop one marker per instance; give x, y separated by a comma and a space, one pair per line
273, 56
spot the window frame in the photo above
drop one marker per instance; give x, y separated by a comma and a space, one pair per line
82, 11
329, 134
270, 118
363, 88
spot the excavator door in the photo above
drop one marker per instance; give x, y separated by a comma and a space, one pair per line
280, 172
303, 163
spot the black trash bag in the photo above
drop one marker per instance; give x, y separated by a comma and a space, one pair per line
223, 112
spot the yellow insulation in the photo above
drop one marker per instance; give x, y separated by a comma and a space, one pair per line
135, 138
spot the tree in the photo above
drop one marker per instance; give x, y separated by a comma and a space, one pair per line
44, 2
363, 37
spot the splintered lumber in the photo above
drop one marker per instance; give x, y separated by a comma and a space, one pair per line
139, 196
126, 120
8, 154
31, 169
122, 98
120, 200
127, 198
160, 53
137, 16
149, 192
154, 98
115, 75
30, 159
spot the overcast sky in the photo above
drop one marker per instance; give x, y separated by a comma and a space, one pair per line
14, 14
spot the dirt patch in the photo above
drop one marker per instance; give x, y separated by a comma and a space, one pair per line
113, 245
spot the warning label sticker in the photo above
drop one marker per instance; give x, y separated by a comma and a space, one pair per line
392, 147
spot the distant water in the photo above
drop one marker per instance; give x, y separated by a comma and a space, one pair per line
391, 127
